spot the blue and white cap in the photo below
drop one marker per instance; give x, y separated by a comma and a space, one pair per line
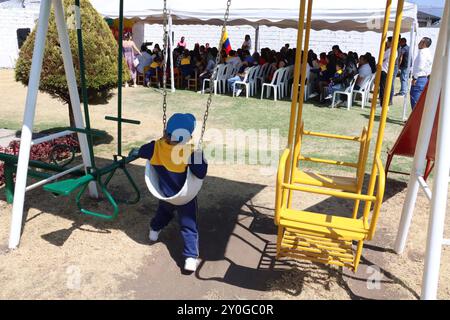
181, 126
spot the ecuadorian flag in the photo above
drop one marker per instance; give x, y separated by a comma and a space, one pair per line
226, 42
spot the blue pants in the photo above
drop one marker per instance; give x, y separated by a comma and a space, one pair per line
231, 81
187, 216
336, 87
416, 91
403, 81
150, 73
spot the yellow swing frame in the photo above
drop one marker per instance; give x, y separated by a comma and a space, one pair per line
321, 237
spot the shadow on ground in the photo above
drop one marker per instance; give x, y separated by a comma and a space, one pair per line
237, 238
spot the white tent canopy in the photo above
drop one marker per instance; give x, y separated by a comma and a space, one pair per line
345, 15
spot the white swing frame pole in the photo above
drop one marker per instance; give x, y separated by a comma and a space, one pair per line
423, 140
72, 85
170, 44
28, 121
436, 223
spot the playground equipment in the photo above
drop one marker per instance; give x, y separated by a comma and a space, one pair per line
93, 175
192, 185
407, 139
322, 237
438, 90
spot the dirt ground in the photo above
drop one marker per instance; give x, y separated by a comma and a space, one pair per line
65, 255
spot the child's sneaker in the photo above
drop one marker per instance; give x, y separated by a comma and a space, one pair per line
153, 236
190, 264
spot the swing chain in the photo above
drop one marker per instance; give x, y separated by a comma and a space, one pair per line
165, 57
214, 75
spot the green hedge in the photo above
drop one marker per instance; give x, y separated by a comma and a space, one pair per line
100, 55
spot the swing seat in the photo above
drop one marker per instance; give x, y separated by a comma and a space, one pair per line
66, 187
319, 237
330, 226
327, 181
190, 189
348, 184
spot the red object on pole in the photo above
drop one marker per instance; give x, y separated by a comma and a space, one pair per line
407, 140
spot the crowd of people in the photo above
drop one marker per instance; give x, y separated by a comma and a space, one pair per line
327, 71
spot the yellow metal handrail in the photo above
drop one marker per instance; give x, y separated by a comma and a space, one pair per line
330, 135
279, 192
325, 224
380, 193
329, 192
328, 161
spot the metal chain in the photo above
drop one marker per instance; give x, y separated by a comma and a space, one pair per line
213, 75
164, 62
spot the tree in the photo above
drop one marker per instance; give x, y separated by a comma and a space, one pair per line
100, 56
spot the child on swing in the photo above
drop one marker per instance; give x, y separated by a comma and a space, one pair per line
171, 165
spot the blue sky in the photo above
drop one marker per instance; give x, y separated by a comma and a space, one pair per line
434, 7
429, 3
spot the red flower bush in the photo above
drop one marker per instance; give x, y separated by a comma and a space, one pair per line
43, 151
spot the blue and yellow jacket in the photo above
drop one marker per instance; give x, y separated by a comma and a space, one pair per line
171, 163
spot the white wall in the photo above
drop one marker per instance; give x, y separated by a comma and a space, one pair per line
12, 19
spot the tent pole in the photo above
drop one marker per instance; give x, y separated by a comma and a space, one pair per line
412, 44
257, 38
28, 121
72, 86
170, 44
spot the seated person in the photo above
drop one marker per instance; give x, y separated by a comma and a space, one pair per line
238, 77
247, 61
210, 65
280, 62
337, 82
145, 59
233, 59
186, 67
364, 71
154, 70
350, 69
323, 61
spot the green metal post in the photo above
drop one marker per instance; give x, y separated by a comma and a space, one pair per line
9, 182
83, 88
119, 82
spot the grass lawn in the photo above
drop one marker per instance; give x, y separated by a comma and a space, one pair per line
256, 114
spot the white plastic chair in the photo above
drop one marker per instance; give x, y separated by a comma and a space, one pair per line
217, 83
308, 84
287, 76
275, 84
364, 91
248, 81
252, 81
347, 92
261, 76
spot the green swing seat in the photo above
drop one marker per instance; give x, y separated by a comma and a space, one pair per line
66, 187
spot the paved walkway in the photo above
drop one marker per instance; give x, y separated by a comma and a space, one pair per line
6, 136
